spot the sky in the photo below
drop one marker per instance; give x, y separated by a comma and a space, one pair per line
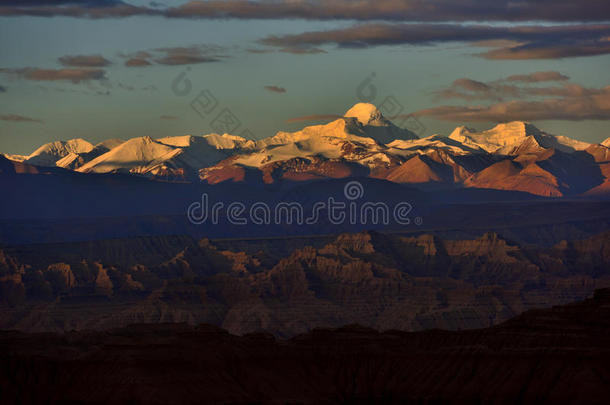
100, 69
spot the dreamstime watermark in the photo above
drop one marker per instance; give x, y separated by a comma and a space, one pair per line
337, 212
390, 107
205, 104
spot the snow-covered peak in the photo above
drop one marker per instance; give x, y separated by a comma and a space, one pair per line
132, 154
503, 138
180, 141
342, 128
432, 142
460, 132
366, 114
51, 152
228, 141
216, 141
375, 125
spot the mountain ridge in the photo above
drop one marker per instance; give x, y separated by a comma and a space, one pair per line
361, 143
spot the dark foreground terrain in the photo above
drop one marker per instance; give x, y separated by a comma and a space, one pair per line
289, 287
552, 356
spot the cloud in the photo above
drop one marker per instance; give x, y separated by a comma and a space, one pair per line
137, 62
397, 10
511, 42
315, 117
72, 75
275, 89
174, 56
168, 117
498, 90
362, 10
570, 102
189, 55
84, 61
472, 85
3, 89
301, 50
19, 118
73, 8
549, 76
552, 49
469, 89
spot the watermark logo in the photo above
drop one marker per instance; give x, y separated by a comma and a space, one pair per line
350, 210
206, 104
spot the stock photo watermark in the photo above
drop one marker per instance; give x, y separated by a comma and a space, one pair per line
335, 211
205, 104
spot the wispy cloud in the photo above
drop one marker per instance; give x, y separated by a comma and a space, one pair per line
498, 90
168, 117
175, 56
19, 118
73, 8
568, 101
536, 77
72, 75
301, 50
84, 61
137, 62
275, 89
363, 10
397, 10
508, 42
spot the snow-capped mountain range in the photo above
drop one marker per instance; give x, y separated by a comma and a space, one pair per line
512, 156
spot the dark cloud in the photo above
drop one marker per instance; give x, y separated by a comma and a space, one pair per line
84, 61
398, 10
181, 59
316, 117
72, 8
549, 76
2, 89
275, 89
173, 56
472, 85
498, 90
527, 41
72, 75
552, 49
84, 3
137, 62
189, 55
569, 102
469, 89
19, 118
363, 10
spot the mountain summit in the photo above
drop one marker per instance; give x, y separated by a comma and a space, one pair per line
367, 114
376, 126
506, 137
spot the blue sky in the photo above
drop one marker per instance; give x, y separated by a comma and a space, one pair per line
138, 101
